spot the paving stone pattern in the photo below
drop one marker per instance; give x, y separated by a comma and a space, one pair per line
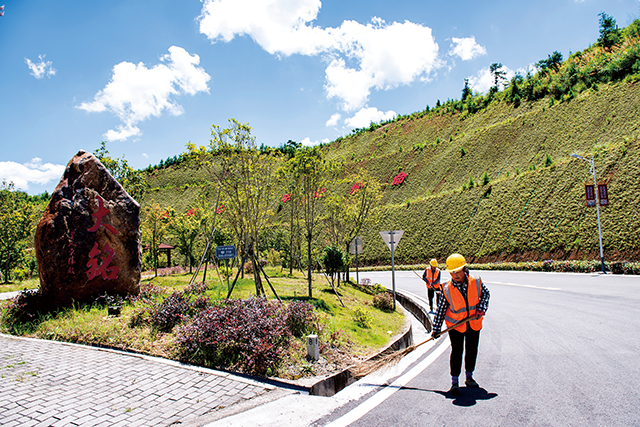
47, 383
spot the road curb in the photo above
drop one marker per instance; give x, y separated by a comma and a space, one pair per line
336, 382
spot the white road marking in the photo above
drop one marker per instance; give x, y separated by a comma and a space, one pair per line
386, 392
522, 286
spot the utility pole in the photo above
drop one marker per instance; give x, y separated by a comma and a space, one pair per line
595, 186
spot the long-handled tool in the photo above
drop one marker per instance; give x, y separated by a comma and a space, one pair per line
391, 359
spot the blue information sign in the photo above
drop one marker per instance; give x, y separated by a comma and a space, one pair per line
226, 252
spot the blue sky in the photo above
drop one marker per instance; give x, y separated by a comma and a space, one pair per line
148, 76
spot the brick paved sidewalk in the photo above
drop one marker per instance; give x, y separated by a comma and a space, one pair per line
47, 383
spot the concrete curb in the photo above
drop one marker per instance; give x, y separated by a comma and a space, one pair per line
336, 382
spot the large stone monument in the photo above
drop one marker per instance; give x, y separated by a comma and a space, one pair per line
88, 240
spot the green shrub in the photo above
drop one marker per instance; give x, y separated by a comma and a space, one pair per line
383, 301
362, 318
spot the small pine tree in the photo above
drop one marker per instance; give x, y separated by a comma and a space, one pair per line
485, 178
466, 90
610, 34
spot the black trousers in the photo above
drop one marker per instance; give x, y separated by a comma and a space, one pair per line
467, 341
430, 294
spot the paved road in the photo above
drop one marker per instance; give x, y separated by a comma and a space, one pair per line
556, 349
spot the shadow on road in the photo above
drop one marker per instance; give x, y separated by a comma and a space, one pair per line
467, 397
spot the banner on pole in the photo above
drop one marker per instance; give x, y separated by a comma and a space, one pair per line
603, 195
590, 194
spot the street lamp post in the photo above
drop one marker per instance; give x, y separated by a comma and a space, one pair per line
595, 187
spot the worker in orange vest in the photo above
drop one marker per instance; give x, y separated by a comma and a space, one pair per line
431, 277
464, 296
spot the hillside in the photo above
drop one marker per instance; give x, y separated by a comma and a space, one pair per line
527, 210
491, 175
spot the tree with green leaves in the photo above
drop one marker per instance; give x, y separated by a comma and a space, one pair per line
154, 226
552, 62
334, 262
290, 203
131, 180
186, 228
16, 224
610, 34
352, 209
309, 172
246, 178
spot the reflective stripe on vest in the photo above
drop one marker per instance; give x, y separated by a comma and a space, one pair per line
459, 309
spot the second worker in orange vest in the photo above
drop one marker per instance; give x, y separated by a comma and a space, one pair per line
431, 277
464, 296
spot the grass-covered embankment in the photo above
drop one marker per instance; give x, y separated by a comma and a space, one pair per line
197, 325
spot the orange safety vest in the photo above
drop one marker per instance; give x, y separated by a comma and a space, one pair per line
433, 278
460, 309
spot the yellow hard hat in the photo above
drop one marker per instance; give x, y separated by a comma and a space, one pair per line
455, 262
434, 263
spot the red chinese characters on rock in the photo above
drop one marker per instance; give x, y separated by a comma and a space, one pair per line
95, 269
103, 269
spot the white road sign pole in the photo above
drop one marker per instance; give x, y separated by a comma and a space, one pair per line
393, 270
388, 237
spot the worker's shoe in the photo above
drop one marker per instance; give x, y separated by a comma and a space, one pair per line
471, 383
455, 389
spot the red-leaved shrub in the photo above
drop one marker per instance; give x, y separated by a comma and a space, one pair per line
248, 335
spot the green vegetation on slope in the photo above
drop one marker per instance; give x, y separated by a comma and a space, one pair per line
491, 175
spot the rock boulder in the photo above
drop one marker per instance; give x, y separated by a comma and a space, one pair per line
88, 240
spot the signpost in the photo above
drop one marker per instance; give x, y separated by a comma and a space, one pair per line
226, 253
392, 238
356, 248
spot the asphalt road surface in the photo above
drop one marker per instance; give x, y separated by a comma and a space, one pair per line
555, 350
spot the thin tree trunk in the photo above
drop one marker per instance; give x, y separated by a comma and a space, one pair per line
310, 265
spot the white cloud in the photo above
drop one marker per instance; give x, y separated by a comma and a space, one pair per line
389, 55
278, 26
366, 116
308, 143
136, 93
34, 171
122, 133
145, 155
42, 68
385, 55
466, 48
333, 120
